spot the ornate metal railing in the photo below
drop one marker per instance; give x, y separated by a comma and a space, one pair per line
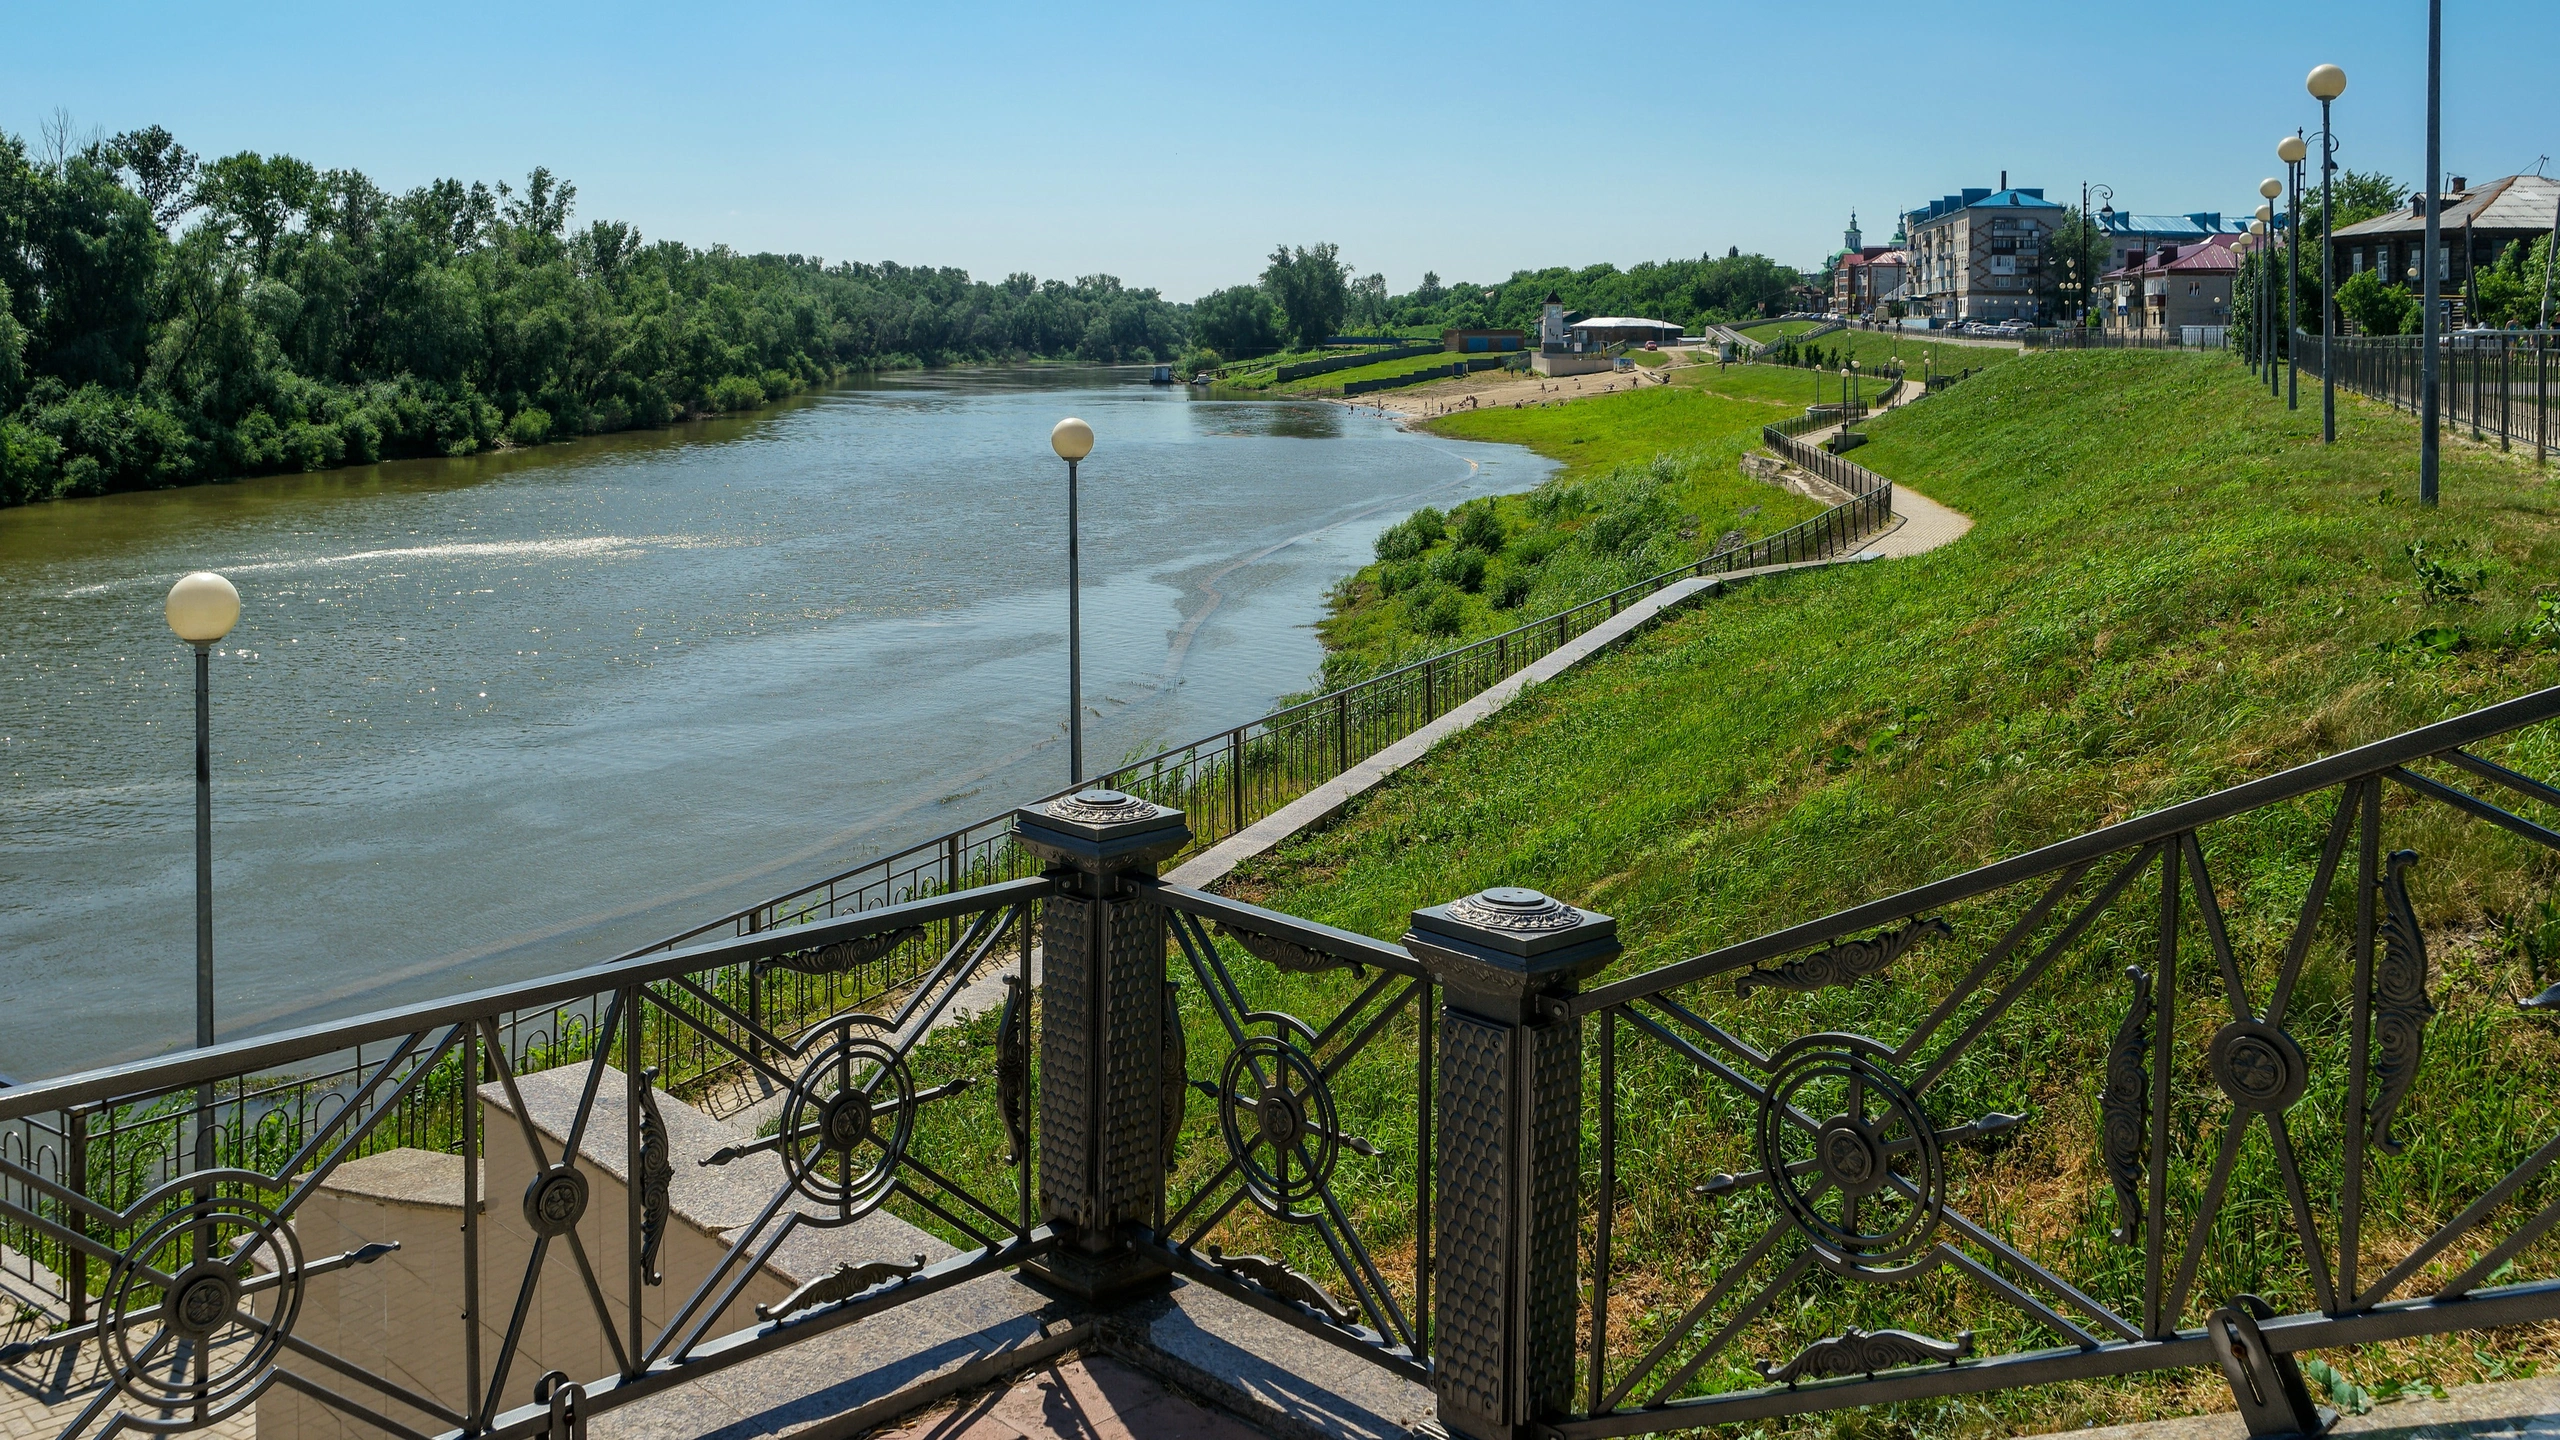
2496, 383
2244, 1071
192, 1229
2194, 1089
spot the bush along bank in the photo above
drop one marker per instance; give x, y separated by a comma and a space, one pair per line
1650, 480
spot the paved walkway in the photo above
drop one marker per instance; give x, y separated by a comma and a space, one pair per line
1083, 1398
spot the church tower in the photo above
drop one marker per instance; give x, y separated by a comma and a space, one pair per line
1850, 240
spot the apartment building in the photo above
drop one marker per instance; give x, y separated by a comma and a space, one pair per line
1981, 255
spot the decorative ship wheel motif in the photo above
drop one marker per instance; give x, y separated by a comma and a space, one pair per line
1851, 1157
196, 1311
1277, 1115
846, 1124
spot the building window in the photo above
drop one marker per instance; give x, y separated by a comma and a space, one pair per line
2357, 260
2195, 287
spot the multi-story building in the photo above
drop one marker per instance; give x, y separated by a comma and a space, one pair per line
2175, 287
2131, 237
1980, 255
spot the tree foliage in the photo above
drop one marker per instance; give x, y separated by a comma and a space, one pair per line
1311, 286
166, 320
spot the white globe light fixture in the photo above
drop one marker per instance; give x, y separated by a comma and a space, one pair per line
2326, 83
2291, 149
1072, 439
2271, 187
202, 608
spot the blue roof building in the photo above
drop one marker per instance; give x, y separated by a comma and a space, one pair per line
1979, 254
2131, 237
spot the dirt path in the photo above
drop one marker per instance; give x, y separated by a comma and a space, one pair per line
1920, 524
1499, 389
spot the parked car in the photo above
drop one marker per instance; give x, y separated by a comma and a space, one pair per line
1652, 345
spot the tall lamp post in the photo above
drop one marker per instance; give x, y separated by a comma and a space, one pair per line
2270, 187
2291, 151
2433, 260
2326, 83
2258, 301
202, 609
1073, 440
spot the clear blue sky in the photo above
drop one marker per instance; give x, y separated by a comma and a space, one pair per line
1174, 145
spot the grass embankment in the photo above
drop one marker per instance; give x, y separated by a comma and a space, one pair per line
1651, 478
1385, 369
2171, 586
1261, 374
1769, 332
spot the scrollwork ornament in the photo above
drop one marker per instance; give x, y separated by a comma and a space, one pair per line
2125, 1104
844, 955
1509, 907
232, 1293
2401, 1007
657, 1170
1844, 963
1013, 1068
1864, 1352
1287, 955
1100, 807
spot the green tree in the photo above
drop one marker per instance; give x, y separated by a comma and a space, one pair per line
2376, 307
1308, 283
1238, 322
2075, 255
2354, 195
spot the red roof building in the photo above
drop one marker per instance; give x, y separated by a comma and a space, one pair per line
2175, 285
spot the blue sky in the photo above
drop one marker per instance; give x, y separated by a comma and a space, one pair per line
1174, 145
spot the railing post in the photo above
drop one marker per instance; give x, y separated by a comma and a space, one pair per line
1235, 781
1507, 1113
75, 1178
1102, 1019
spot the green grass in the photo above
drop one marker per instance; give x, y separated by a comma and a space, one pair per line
1331, 384
2171, 587
1262, 372
1649, 479
1770, 331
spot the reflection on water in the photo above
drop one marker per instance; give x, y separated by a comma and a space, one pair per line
488, 717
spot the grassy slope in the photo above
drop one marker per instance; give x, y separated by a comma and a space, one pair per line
1332, 384
1593, 437
2171, 586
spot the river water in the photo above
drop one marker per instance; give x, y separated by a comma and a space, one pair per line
483, 719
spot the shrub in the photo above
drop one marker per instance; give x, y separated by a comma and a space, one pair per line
1508, 586
1411, 536
1195, 360
2376, 307
778, 383
531, 426
1434, 609
733, 392
1459, 565
1398, 576
1479, 527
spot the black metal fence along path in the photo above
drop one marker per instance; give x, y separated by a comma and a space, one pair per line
2498, 384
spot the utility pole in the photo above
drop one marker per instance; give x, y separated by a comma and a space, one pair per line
2432, 258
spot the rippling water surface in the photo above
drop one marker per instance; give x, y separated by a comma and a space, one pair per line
483, 719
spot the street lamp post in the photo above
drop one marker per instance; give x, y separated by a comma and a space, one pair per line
2258, 299
2291, 150
2270, 187
1073, 440
2326, 83
2433, 260
202, 608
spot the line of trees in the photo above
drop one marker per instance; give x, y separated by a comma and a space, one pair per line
166, 320
1307, 293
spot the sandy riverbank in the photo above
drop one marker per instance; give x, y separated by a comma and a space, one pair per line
1494, 389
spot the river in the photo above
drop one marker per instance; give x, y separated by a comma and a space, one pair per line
487, 718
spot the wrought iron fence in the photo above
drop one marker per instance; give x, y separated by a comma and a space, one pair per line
2499, 383
200, 1241
2157, 337
2248, 1118
2248, 1076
